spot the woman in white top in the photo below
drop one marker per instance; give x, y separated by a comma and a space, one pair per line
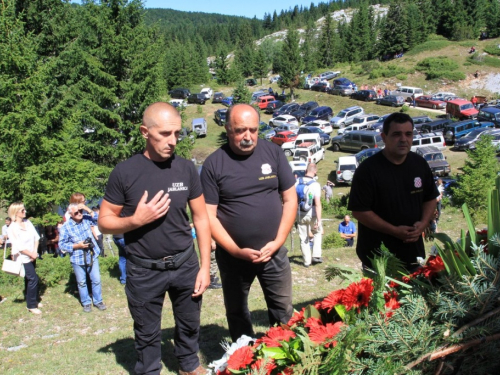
24, 239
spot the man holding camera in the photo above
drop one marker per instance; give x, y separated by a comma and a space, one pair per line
76, 238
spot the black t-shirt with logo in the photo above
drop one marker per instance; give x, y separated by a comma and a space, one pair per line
246, 190
396, 193
177, 177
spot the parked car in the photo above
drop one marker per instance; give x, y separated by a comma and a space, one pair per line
343, 82
286, 109
302, 140
366, 153
185, 134
217, 98
282, 137
298, 168
283, 119
460, 129
199, 126
341, 90
442, 95
321, 124
329, 75
365, 95
220, 116
319, 113
274, 79
311, 154
392, 100
490, 114
366, 119
419, 121
346, 116
351, 128
321, 86
461, 109
251, 82
436, 126
304, 110
346, 166
407, 92
429, 139
227, 101
470, 139
274, 105
287, 127
325, 138
179, 93
436, 160
264, 100
429, 102
258, 94
208, 92
495, 139
196, 99
357, 141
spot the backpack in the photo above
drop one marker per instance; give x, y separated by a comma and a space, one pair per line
305, 200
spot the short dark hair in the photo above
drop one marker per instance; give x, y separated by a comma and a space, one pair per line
398, 118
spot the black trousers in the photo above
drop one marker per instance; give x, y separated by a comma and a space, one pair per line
145, 291
31, 285
237, 276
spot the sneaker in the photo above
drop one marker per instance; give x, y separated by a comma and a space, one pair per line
306, 265
101, 306
317, 260
35, 311
87, 308
199, 371
214, 286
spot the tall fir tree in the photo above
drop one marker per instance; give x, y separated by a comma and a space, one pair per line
326, 43
393, 36
260, 65
291, 64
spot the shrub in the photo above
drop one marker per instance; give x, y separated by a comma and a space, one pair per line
336, 207
440, 67
333, 240
492, 49
402, 77
404, 109
430, 45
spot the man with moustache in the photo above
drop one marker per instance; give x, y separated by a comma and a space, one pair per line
252, 203
393, 196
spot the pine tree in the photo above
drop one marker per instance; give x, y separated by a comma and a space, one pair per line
260, 65
394, 31
222, 65
291, 64
492, 19
362, 29
326, 43
308, 49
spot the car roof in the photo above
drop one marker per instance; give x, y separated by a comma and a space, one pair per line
491, 109
200, 120
427, 149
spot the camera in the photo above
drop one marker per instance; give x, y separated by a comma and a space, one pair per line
88, 241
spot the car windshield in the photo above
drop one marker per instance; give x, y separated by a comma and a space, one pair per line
466, 106
475, 133
300, 153
434, 157
347, 167
358, 120
342, 114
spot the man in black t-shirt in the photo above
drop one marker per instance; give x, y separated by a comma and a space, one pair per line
146, 199
393, 196
252, 203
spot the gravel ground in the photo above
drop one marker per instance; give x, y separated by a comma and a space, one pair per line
490, 82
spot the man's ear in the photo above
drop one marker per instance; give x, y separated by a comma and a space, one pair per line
144, 131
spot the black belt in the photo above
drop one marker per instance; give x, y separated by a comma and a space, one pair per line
167, 263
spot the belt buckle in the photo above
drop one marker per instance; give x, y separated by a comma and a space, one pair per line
168, 262
166, 259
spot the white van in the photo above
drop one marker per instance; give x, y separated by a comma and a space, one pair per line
407, 92
429, 139
346, 166
306, 139
310, 154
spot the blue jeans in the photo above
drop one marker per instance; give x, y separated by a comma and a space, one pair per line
122, 261
95, 278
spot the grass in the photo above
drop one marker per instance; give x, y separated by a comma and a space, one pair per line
66, 340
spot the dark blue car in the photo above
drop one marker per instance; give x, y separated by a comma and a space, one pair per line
227, 101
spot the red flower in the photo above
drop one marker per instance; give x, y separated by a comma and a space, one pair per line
321, 333
391, 301
334, 298
287, 371
241, 358
393, 285
269, 365
317, 305
276, 334
297, 317
436, 264
225, 372
358, 294
313, 322
406, 279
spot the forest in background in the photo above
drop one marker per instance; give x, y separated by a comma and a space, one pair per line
75, 79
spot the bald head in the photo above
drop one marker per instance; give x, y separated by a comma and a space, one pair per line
161, 127
158, 112
242, 128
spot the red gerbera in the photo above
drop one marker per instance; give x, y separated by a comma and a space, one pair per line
287, 371
313, 322
276, 334
391, 301
241, 358
225, 372
334, 298
321, 333
317, 305
358, 294
393, 285
297, 317
436, 264
269, 365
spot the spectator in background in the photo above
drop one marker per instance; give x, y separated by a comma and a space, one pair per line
24, 239
5, 234
347, 231
119, 240
474, 101
52, 236
328, 189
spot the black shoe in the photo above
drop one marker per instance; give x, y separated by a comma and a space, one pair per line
317, 260
101, 306
215, 286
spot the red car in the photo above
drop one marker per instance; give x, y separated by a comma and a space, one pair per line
282, 137
429, 102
